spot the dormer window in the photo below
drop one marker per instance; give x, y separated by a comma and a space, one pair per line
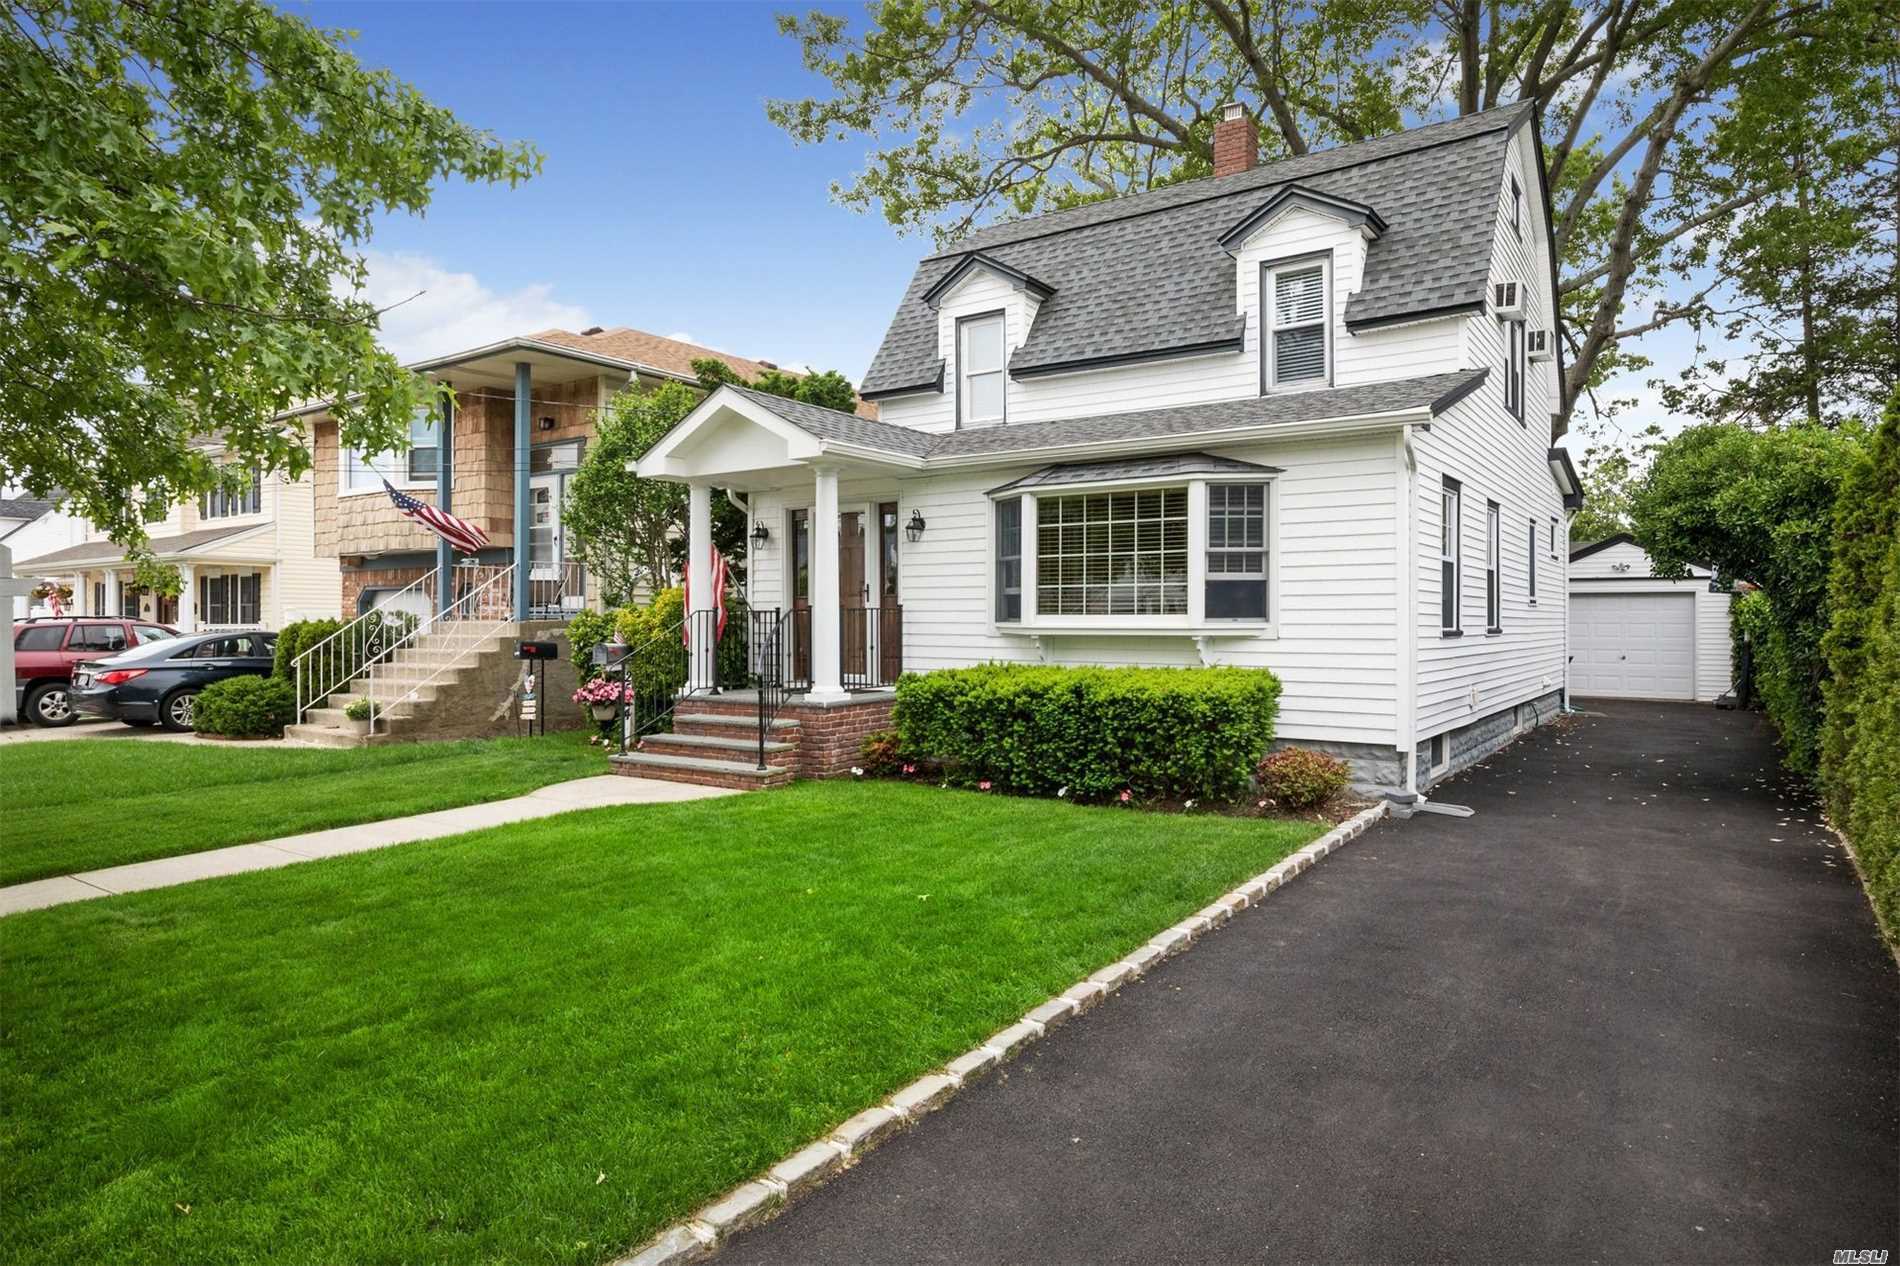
1297, 346
980, 394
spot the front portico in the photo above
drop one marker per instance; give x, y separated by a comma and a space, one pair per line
830, 558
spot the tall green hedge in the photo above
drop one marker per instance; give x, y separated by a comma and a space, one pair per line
1860, 747
1034, 729
1783, 667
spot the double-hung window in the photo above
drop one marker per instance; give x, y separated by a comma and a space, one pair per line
1112, 553
1553, 537
1514, 369
1236, 586
1009, 560
365, 472
1530, 557
1296, 349
1517, 208
1493, 591
222, 503
1451, 497
980, 393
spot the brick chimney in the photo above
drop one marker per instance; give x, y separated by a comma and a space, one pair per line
1236, 141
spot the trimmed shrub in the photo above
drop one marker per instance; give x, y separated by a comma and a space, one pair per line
1297, 779
585, 631
880, 753
1034, 729
1871, 768
294, 639
244, 707
1783, 666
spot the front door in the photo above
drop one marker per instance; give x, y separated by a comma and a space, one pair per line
801, 596
889, 640
544, 527
853, 594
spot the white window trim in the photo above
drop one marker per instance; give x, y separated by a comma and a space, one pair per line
405, 483
1268, 269
1516, 368
1193, 624
1001, 317
1493, 568
1452, 528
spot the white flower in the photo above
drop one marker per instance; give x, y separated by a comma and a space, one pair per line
1062, 793
1189, 805
856, 772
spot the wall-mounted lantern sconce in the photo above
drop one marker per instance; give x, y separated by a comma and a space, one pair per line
760, 535
547, 424
915, 528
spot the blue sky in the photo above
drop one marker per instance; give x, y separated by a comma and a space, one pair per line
668, 201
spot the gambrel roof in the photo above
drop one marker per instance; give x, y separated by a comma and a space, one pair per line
1148, 275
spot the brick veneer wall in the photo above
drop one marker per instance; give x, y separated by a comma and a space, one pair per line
355, 582
828, 737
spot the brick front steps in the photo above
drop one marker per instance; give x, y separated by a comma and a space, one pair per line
715, 740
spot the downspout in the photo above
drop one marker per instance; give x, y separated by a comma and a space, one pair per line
1405, 491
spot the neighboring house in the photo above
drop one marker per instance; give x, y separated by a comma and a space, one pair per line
1633, 636
17, 512
246, 560
523, 404
1298, 416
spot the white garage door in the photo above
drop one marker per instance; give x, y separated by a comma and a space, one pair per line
1632, 646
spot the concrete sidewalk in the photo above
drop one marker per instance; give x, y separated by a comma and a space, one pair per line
561, 797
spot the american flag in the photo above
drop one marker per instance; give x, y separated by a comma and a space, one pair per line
463, 535
720, 576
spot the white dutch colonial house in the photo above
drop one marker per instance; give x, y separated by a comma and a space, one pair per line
1297, 416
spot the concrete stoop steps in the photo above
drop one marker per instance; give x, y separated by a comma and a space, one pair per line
715, 745
455, 655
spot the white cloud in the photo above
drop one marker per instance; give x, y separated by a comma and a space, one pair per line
452, 311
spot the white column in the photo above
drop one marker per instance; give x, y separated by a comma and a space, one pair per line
827, 654
187, 599
699, 594
112, 593
82, 594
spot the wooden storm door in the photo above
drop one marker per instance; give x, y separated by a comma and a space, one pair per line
853, 594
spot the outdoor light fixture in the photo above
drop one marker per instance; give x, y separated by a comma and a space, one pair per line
759, 533
547, 424
915, 528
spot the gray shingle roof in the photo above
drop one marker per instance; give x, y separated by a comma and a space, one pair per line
28, 508
1163, 466
1436, 392
1147, 274
848, 428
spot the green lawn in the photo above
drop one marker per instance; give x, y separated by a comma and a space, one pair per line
88, 803
435, 1052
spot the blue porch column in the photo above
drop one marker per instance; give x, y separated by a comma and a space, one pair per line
444, 496
524, 382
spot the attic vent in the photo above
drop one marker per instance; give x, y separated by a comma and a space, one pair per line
1537, 343
592, 330
1509, 300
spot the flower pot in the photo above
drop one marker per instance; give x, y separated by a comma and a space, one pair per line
602, 711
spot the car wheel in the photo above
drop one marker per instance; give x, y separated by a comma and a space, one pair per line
47, 704
175, 713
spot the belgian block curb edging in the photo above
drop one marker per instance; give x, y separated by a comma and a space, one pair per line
758, 1199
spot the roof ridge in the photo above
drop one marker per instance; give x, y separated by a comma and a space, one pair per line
1502, 118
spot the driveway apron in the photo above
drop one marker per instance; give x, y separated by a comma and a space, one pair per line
1634, 1009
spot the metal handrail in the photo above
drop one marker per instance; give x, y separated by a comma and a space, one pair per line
696, 633
492, 596
325, 668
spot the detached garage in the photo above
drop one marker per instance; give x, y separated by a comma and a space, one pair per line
1633, 636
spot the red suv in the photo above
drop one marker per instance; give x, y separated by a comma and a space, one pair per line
44, 652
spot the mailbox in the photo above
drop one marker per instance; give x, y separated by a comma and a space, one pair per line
537, 650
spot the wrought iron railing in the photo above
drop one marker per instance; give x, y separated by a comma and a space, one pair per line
689, 658
871, 646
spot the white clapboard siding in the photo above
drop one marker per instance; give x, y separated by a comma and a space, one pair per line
1479, 443
304, 585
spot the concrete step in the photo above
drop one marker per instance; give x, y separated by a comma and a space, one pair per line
325, 736
720, 747
727, 726
701, 770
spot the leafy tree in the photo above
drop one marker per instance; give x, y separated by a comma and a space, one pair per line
830, 389
1757, 506
1609, 468
184, 192
623, 525
1665, 124
1866, 526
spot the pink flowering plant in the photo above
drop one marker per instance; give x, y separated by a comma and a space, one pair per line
603, 690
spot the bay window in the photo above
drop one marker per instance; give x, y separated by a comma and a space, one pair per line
1112, 553
1236, 586
1295, 309
980, 385
1009, 560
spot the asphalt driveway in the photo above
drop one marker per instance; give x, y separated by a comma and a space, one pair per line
1635, 1009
